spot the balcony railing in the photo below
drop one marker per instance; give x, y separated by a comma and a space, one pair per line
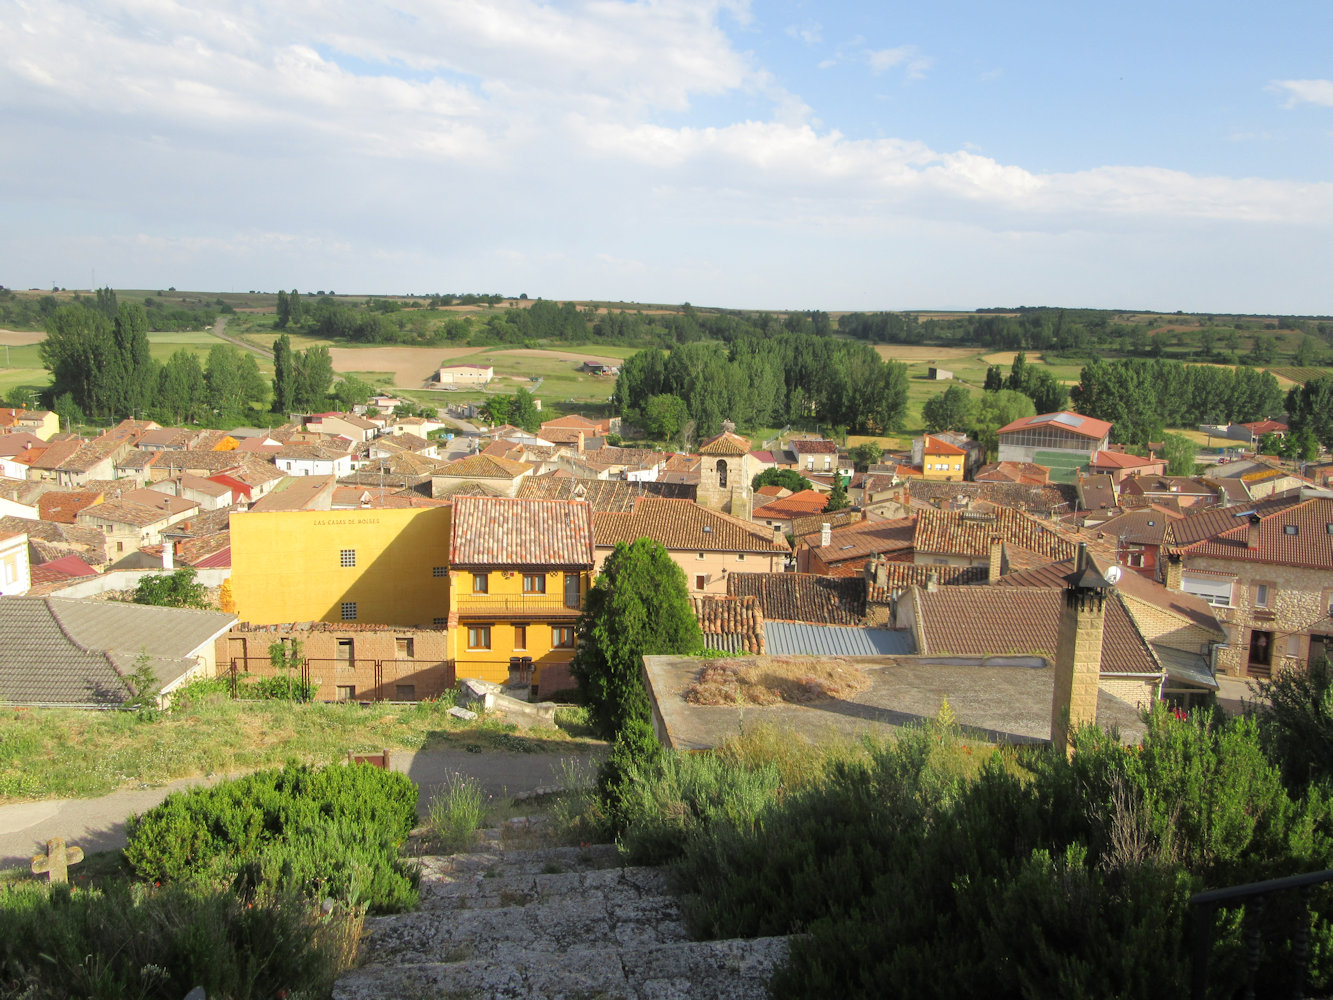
536, 605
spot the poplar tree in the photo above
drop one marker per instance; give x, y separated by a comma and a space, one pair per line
284, 381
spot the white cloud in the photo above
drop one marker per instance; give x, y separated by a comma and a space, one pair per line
811, 33
906, 56
1305, 91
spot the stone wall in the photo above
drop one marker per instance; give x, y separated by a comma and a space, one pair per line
1298, 603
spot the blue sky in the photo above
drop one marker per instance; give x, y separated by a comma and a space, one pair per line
767, 155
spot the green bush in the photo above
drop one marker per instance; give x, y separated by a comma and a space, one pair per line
908, 870
133, 941
332, 831
1295, 712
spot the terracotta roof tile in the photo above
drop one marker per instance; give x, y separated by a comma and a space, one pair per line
968, 533
867, 538
725, 444
684, 525
797, 505
737, 621
602, 494
500, 531
1072, 423
1299, 535
803, 597
483, 467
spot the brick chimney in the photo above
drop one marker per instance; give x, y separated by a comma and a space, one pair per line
1173, 571
1252, 533
932, 581
1078, 653
993, 569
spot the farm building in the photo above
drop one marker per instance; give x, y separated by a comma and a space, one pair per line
465, 375
939, 374
1063, 442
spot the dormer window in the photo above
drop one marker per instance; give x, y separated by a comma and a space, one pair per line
1291, 529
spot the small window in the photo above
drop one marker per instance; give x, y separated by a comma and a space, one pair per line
479, 637
405, 648
346, 692
562, 638
481, 583
405, 692
343, 652
1291, 529
520, 637
1261, 595
534, 583
700, 582
349, 611
439, 571
1329, 527
740, 557
347, 558
439, 622
701, 555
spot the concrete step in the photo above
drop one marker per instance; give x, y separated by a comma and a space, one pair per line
498, 887
539, 914
687, 970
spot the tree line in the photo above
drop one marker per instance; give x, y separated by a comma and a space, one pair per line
1141, 397
102, 370
761, 382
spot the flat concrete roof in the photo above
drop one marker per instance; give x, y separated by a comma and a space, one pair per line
1001, 699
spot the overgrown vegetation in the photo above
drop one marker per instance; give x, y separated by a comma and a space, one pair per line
923, 865
455, 815
56, 753
180, 589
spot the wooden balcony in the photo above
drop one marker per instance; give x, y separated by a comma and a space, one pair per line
536, 606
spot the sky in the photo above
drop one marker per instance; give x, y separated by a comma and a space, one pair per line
778, 155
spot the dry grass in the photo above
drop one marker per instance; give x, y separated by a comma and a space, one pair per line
776, 681
922, 352
21, 338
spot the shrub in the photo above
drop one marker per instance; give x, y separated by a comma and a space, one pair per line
133, 941
1296, 722
333, 831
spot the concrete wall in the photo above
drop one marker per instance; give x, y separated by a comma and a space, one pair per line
715, 567
287, 565
128, 579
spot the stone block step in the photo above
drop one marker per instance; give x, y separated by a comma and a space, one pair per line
496, 859
628, 911
442, 890
690, 970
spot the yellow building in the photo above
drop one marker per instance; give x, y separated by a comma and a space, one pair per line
384, 566
507, 577
519, 570
942, 461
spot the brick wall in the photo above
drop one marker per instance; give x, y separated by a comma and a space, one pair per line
1134, 691
360, 663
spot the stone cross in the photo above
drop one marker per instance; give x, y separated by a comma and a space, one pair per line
56, 861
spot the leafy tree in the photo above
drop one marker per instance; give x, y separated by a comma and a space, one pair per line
788, 479
496, 409
1179, 452
1295, 711
77, 351
296, 307
350, 391
639, 606
181, 394
994, 379
253, 387
662, 416
866, 454
180, 589
284, 376
948, 411
1270, 444
68, 411
312, 376
837, 498
524, 412
1018, 373
1264, 351
144, 686
1311, 408
222, 372
284, 310
1307, 351
993, 410
1301, 446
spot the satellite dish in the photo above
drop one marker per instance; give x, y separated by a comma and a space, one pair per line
1113, 575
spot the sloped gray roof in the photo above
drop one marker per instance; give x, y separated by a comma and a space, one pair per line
797, 639
59, 651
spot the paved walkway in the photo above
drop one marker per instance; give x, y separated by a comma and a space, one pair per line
99, 824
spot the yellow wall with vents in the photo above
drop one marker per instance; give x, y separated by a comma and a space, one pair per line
288, 566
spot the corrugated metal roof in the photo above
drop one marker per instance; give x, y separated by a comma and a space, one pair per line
797, 639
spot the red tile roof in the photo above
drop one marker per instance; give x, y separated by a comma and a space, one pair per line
484, 467
934, 446
796, 505
503, 532
685, 525
969, 533
725, 444
1073, 423
64, 507
1300, 535
867, 538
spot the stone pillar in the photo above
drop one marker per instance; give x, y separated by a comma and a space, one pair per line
995, 566
1078, 663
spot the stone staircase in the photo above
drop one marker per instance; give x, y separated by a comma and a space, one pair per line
556, 923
